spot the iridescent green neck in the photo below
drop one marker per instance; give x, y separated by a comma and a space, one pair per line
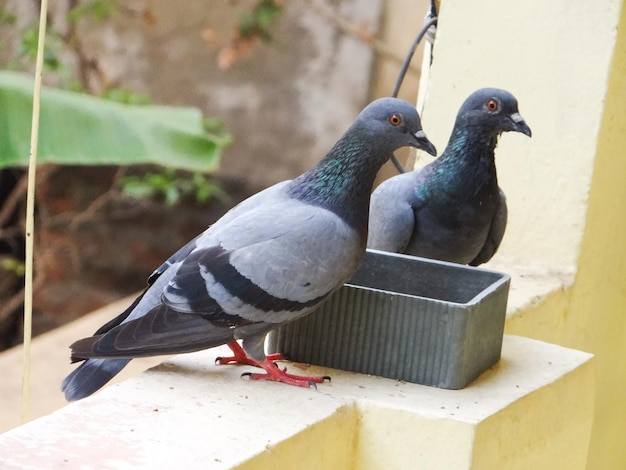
470, 145
342, 182
466, 167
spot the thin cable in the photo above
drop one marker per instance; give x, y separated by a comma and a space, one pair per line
405, 66
407, 60
30, 215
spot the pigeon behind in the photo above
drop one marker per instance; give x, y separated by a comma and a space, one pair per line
452, 209
273, 258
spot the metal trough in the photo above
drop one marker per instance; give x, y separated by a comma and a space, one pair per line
407, 318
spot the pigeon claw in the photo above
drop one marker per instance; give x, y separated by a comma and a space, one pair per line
273, 372
276, 374
220, 361
299, 382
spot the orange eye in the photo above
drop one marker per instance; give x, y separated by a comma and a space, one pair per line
492, 105
395, 120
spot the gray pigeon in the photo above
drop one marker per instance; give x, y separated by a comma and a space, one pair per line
271, 259
452, 209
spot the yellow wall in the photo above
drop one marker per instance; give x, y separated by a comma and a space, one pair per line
566, 63
599, 296
520, 438
591, 315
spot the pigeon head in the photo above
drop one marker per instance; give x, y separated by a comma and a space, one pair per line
492, 110
342, 181
397, 124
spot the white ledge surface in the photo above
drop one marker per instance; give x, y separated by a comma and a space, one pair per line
189, 412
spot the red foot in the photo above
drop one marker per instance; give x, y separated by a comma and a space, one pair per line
275, 374
240, 357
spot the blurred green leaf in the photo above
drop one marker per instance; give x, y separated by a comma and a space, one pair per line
28, 47
171, 186
204, 189
13, 266
96, 9
125, 96
80, 129
6, 16
258, 21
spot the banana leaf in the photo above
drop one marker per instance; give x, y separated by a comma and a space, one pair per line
79, 129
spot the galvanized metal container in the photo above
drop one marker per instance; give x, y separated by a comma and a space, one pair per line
407, 318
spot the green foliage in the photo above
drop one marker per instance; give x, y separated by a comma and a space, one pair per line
80, 129
6, 16
171, 187
28, 47
96, 9
123, 127
258, 21
120, 95
13, 266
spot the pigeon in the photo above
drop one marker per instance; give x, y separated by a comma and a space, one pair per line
452, 209
271, 259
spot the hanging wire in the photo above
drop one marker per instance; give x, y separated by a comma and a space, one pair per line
30, 215
431, 20
407, 61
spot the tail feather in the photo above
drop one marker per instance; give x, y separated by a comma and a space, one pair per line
90, 377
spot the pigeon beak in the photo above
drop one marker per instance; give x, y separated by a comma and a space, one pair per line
423, 143
519, 125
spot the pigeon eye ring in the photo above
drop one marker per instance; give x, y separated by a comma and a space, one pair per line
395, 120
492, 105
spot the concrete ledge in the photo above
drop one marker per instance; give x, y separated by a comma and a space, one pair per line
531, 282
530, 285
50, 361
189, 412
